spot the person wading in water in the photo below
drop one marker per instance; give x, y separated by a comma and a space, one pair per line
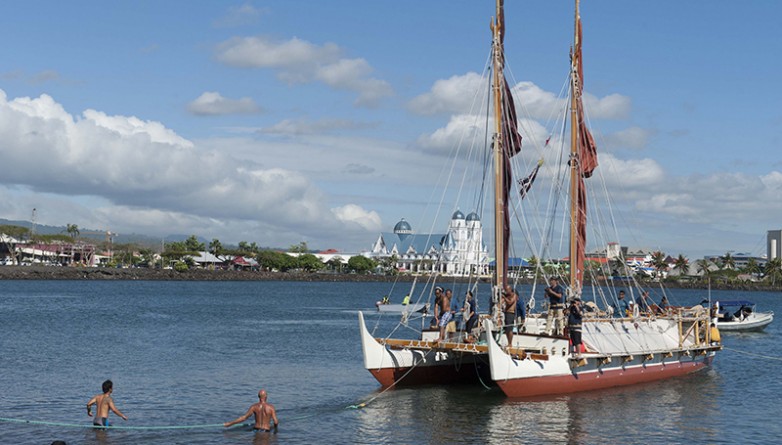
264, 413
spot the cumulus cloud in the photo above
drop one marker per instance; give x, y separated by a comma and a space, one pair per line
45, 76
678, 204
241, 15
453, 95
715, 200
613, 106
629, 173
304, 126
460, 128
464, 130
144, 168
358, 169
211, 103
353, 214
464, 93
299, 61
33, 79
628, 138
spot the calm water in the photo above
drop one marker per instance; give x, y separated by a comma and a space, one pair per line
197, 353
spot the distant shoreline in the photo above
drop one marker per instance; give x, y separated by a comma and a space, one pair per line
104, 273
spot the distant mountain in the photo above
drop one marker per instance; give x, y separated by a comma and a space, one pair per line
100, 235
97, 235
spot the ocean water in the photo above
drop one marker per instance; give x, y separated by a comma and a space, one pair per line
196, 353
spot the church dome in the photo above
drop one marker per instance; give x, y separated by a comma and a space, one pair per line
458, 215
473, 217
403, 227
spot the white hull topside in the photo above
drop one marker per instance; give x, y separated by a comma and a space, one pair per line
753, 322
623, 352
401, 308
422, 362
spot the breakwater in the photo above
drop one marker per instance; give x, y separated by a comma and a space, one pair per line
105, 273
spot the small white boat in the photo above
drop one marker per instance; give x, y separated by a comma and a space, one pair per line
400, 308
740, 315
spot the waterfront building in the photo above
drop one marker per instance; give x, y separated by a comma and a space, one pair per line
458, 252
774, 244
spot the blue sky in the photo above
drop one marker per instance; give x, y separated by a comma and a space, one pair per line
283, 121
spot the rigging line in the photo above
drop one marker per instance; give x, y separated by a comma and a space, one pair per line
487, 153
475, 152
556, 191
364, 404
531, 196
769, 357
447, 177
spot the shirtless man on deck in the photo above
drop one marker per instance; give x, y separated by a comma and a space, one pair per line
443, 316
264, 413
104, 403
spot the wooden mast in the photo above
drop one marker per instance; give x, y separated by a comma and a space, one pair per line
498, 147
575, 285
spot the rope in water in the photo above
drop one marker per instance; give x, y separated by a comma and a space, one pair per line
479, 375
208, 425
112, 427
364, 404
170, 427
753, 354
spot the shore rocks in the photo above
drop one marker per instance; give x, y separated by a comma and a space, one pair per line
105, 273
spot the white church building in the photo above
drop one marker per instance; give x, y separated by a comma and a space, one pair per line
458, 252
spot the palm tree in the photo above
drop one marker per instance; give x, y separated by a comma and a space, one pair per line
73, 231
658, 262
682, 264
774, 269
534, 265
215, 247
727, 261
752, 267
335, 263
703, 267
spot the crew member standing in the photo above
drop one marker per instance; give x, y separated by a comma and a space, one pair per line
574, 326
556, 299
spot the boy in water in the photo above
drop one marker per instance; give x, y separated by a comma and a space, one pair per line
103, 403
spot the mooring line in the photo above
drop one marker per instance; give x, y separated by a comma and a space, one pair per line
364, 404
753, 354
119, 427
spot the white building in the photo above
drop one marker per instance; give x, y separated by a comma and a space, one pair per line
774, 244
459, 252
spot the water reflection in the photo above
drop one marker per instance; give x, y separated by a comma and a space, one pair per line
673, 411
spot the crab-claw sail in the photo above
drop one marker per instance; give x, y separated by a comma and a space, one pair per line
584, 153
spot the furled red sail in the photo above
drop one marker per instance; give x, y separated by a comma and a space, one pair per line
510, 147
587, 159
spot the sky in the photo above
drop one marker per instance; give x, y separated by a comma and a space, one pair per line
326, 122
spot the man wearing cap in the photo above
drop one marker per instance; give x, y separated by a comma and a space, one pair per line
556, 299
574, 326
